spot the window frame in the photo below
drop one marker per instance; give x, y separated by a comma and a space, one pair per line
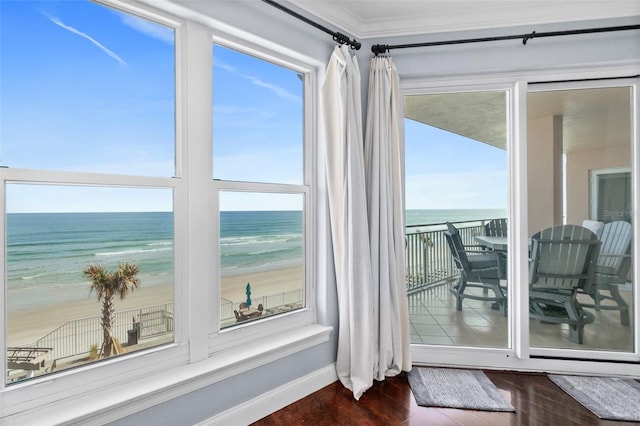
594, 186
220, 339
200, 354
73, 383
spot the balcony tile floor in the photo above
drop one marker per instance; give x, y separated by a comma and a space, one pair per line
435, 321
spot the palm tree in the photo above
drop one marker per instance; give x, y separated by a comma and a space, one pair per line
107, 285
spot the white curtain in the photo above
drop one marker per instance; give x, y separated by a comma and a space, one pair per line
342, 115
386, 220
373, 339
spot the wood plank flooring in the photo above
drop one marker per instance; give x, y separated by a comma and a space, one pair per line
536, 399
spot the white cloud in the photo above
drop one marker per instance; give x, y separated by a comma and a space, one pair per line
279, 91
219, 64
99, 45
157, 31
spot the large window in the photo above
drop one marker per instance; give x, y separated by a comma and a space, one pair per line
258, 167
125, 253
87, 137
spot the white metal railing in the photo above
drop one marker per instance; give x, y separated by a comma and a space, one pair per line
76, 337
271, 302
428, 260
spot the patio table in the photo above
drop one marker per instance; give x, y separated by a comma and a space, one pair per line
493, 243
250, 312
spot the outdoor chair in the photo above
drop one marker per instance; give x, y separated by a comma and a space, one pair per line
496, 228
594, 226
563, 260
239, 317
478, 269
612, 268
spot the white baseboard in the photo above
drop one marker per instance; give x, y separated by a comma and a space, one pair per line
268, 403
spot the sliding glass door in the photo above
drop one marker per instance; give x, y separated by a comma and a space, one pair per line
456, 194
580, 174
519, 228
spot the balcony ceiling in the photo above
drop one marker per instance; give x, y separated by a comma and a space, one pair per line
591, 118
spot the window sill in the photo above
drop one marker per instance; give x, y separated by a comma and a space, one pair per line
131, 397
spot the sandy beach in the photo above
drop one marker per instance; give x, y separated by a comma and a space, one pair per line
25, 326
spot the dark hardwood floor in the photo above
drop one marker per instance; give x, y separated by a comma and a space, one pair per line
536, 399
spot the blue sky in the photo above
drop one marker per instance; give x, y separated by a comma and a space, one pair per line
447, 171
87, 88
79, 91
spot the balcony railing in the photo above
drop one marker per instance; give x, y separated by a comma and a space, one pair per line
427, 256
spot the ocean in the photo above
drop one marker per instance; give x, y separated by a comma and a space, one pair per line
48, 252
440, 216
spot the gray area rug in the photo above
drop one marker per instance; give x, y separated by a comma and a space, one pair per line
454, 388
609, 398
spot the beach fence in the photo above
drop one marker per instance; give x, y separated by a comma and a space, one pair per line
76, 337
428, 259
272, 303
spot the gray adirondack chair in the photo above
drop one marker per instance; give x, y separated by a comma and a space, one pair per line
496, 228
612, 268
563, 260
478, 269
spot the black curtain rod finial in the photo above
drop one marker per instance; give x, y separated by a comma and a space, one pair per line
345, 39
377, 49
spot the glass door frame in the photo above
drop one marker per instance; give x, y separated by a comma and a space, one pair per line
518, 356
633, 84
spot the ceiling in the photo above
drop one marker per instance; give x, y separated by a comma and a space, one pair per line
384, 18
590, 117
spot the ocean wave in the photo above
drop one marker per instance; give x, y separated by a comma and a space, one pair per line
259, 253
31, 277
44, 274
259, 267
133, 251
254, 239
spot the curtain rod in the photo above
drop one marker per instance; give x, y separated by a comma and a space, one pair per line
338, 37
382, 48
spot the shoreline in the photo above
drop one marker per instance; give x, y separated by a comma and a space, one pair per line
27, 325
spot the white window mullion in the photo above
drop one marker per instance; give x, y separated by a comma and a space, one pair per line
197, 174
519, 268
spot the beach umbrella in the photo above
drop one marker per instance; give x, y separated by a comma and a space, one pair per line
248, 302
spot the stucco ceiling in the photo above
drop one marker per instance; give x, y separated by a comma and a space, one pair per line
384, 18
591, 118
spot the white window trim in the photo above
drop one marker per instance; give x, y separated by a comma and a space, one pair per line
98, 404
222, 339
196, 359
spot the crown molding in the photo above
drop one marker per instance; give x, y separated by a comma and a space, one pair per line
370, 19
